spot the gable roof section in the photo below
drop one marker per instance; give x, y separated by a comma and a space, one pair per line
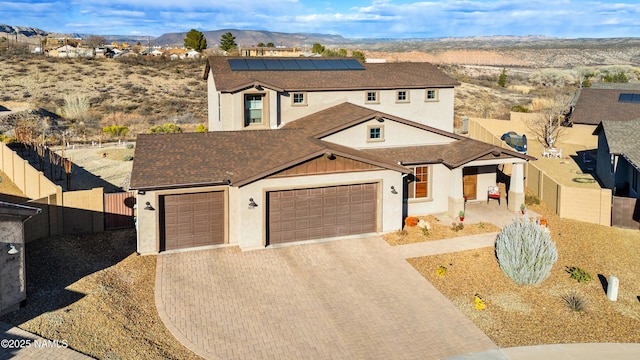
375, 76
345, 115
594, 105
451, 155
623, 138
229, 157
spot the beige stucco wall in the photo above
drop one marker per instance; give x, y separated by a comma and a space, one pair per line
33, 183
148, 221
227, 112
395, 134
247, 225
440, 183
84, 211
12, 272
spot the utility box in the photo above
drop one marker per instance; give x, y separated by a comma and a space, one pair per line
612, 288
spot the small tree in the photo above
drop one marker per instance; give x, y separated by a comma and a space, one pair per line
260, 44
502, 79
270, 45
228, 42
547, 127
317, 48
525, 252
195, 40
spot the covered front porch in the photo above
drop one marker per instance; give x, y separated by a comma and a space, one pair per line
471, 184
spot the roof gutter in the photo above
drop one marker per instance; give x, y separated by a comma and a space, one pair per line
186, 185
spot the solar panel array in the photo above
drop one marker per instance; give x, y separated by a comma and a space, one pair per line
303, 64
634, 98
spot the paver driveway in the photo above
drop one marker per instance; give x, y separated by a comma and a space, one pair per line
347, 299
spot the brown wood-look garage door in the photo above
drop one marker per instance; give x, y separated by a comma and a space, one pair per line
193, 220
304, 214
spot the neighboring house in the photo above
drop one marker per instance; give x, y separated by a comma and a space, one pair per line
259, 93
345, 170
12, 268
616, 103
271, 51
618, 159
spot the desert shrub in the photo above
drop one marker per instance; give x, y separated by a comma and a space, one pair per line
520, 108
201, 128
531, 199
127, 158
167, 128
526, 252
578, 274
425, 232
457, 226
115, 130
75, 106
574, 301
129, 146
441, 270
411, 221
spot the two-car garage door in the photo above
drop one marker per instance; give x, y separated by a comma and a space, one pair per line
326, 212
192, 220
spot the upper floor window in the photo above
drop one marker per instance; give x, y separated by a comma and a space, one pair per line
375, 133
431, 95
253, 109
402, 96
299, 99
372, 97
419, 188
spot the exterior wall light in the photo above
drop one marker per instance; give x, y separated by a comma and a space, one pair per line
393, 190
12, 249
148, 206
252, 204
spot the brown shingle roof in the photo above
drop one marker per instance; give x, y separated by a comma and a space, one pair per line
339, 117
407, 75
595, 105
235, 157
452, 155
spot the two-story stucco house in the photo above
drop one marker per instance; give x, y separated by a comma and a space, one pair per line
306, 149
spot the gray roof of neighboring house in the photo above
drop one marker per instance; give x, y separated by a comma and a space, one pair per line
623, 138
375, 76
594, 105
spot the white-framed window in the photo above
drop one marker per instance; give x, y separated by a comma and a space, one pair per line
420, 188
298, 99
253, 109
375, 133
402, 96
372, 97
431, 95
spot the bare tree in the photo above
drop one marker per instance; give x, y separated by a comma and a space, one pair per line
93, 41
546, 126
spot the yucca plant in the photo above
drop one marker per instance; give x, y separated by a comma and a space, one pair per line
525, 252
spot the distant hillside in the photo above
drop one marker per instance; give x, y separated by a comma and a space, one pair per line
248, 38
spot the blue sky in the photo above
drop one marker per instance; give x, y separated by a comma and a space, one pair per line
352, 19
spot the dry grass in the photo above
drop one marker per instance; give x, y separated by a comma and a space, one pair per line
97, 294
519, 315
437, 231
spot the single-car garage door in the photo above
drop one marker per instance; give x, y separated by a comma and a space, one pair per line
304, 214
193, 220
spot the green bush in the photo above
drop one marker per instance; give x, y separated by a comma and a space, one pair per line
520, 108
127, 158
129, 146
578, 274
525, 252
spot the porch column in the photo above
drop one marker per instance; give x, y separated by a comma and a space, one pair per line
516, 187
456, 196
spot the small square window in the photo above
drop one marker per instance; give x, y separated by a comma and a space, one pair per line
299, 99
372, 97
432, 95
402, 96
375, 133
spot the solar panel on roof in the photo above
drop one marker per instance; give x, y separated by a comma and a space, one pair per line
238, 64
254, 64
634, 98
272, 64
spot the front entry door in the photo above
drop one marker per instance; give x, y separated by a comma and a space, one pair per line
470, 183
